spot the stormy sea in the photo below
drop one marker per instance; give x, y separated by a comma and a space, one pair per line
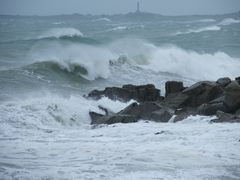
47, 64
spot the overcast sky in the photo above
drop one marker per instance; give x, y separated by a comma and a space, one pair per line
165, 7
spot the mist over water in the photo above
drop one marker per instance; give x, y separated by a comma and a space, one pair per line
48, 63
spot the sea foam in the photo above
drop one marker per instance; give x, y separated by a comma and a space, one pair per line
60, 32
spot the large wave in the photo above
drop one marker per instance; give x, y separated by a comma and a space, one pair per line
92, 62
61, 32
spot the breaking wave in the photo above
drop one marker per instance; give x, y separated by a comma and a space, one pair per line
92, 62
228, 21
208, 28
61, 32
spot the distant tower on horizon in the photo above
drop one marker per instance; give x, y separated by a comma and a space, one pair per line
138, 7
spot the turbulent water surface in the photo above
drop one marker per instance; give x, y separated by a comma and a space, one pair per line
48, 63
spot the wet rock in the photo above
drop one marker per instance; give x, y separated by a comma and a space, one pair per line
223, 81
238, 79
127, 92
95, 117
212, 107
225, 117
116, 119
232, 96
161, 115
173, 87
183, 113
202, 92
175, 101
142, 110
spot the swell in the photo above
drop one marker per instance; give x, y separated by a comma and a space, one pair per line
73, 39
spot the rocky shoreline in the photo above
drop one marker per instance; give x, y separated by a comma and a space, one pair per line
220, 99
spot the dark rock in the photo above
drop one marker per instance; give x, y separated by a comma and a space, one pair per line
232, 96
160, 115
238, 79
143, 93
202, 92
183, 113
175, 101
142, 110
95, 117
173, 87
223, 81
237, 113
116, 119
225, 117
211, 108
128, 92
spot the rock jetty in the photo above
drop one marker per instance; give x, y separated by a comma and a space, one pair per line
220, 98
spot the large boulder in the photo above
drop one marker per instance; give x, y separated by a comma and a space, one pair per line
202, 92
223, 81
161, 115
225, 117
175, 100
212, 107
142, 110
173, 87
232, 96
127, 92
95, 117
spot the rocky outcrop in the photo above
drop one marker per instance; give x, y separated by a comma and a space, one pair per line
172, 87
127, 92
220, 98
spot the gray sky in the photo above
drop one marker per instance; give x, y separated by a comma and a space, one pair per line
165, 7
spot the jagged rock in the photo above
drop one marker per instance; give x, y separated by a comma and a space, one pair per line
202, 92
223, 81
232, 96
95, 117
128, 92
143, 93
173, 87
142, 111
225, 117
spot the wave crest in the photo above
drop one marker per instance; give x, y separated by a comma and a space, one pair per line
228, 21
61, 32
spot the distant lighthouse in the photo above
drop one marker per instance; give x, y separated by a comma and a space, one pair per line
138, 8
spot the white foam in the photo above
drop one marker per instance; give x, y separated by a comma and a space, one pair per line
192, 64
102, 19
94, 59
58, 23
49, 111
199, 30
228, 21
119, 28
206, 20
172, 59
60, 32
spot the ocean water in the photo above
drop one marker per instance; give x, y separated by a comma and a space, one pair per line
48, 63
